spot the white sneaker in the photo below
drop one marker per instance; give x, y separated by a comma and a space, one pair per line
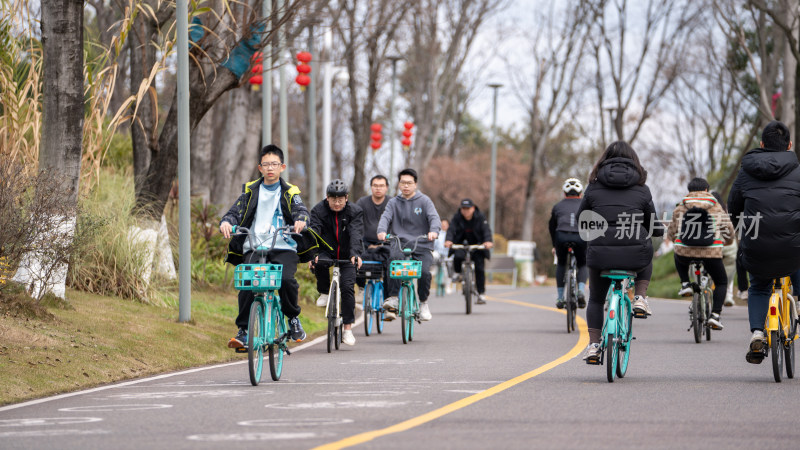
348, 338
640, 304
322, 300
758, 341
729, 299
714, 322
686, 290
743, 295
390, 304
592, 354
424, 311
481, 299
389, 316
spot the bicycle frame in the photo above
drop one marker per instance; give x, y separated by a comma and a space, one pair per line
778, 313
617, 327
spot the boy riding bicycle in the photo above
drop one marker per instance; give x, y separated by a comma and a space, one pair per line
700, 228
470, 225
339, 225
764, 204
265, 205
563, 228
408, 215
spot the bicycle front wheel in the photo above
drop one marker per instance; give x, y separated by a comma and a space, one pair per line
789, 346
707, 313
406, 314
332, 314
278, 337
377, 302
255, 342
467, 287
612, 349
697, 318
626, 319
368, 288
776, 347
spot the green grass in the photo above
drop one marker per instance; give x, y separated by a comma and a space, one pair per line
665, 282
96, 340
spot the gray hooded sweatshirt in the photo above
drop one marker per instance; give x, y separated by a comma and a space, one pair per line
409, 218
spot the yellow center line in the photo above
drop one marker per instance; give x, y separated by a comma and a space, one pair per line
583, 341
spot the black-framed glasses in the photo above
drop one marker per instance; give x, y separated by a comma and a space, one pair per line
407, 183
271, 165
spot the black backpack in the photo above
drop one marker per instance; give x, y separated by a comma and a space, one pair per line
697, 228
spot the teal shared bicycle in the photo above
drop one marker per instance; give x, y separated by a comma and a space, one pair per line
267, 328
407, 270
372, 272
617, 326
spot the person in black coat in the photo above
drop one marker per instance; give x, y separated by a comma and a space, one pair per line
618, 197
340, 226
563, 227
470, 225
764, 204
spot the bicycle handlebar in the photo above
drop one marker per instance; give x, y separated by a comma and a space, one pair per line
468, 247
417, 240
239, 231
333, 261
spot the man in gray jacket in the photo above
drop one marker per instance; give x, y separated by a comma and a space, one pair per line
409, 215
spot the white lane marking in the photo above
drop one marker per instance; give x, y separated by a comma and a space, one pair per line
144, 380
41, 421
184, 394
365, 394
107, 408
50, 433
225, 437
309, 422
350, 404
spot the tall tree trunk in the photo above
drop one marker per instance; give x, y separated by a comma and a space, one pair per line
144, 127
62, 124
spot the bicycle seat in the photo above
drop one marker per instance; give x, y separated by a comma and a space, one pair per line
618, 274
571, 244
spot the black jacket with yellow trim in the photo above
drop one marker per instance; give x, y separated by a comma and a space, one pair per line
243, 212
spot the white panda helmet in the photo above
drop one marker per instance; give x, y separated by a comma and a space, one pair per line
572, 185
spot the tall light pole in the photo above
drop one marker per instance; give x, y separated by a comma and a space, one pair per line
328, 74
266, 93
184, 200
284, 111
392, 137
312, 124
492, 197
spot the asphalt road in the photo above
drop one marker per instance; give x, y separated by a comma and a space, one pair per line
507, 376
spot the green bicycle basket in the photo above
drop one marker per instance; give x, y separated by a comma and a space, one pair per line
405, 269
257, 277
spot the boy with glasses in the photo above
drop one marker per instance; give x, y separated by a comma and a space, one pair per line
409, 215
264, 206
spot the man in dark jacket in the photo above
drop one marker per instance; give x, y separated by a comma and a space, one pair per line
340, 225
764, 205
470, 225
564, 234
265, 205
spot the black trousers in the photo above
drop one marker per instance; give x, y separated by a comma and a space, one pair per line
479, 258
347, 280
715, 268
563, 238
598, 288
287, 292
391, 286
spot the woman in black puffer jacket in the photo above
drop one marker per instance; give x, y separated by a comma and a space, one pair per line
617, 194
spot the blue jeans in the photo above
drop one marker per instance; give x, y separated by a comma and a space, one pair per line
758, 298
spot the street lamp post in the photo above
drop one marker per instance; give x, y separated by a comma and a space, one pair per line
282, 100
392, 137
492, 197
184, 200
329, 71
266, 92
312, 125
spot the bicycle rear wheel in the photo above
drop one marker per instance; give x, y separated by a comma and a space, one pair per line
776, 347
278, 338
612, 349
406, 314
368, 288
255, 342
332, 314
707, 313
697, 318
467, 286
377, 303
789, 347
626, 318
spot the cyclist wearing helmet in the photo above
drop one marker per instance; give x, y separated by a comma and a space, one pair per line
471, 226
563, 231
340, 226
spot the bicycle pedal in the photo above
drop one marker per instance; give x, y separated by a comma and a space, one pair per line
286, 350
640, 314
593, 361
241, 350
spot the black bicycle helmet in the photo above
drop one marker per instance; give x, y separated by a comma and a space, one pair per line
337, 188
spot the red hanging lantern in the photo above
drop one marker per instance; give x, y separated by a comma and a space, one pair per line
256, 58
407, 133
406, 143
304, 68
256, 81
258, 68
303, 80
376, 137
304, 57
408, 125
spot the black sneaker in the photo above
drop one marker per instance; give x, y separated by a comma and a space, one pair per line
296, 330
560, 303
581, 299
239, 341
